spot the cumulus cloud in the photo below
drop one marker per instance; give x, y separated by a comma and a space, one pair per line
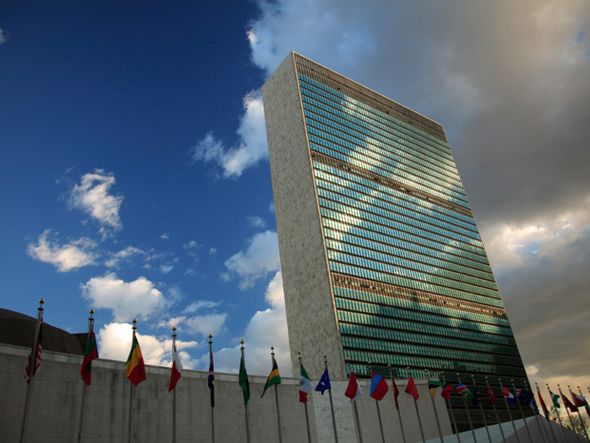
259, 259
127, 300
266, 328
65, 257
250, 149
255, 222
92, 196
199, 305
114, 341
117, 258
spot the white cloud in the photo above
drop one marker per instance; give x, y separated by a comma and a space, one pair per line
92, 196
199, 305
212, 251
123, 255
251, 147
166, 268
260, 258
265, 329
127, 300
66, 257
165, 236
2, 36
256, 222
205, 324
114, 342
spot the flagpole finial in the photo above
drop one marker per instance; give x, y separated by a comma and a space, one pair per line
174, 332
210, 338
41, 303
134, 323
242, 344
325, 359
91, 312
272, 351
299, 356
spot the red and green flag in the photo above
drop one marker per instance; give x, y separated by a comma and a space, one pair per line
274, 377
135, 366
305, 386
90, 353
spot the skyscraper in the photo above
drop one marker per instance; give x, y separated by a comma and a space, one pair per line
382, 260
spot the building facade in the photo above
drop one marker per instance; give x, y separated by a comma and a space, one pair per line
381, 257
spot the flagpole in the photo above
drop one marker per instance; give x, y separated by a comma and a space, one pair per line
358, 421
211, 393
399, 415
553, 437
377, 405
331, 403
174, 393
131, 391
579, 414
586, 406
466, 410
417, 411
557, 412
305, 404
450, 406
528, 431
483, 415
569, 416
440, 434
509, 411
536, 411
272, 353
85, 387
31, 372
245, 403
495, 410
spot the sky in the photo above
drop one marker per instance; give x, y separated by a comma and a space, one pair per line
135, 176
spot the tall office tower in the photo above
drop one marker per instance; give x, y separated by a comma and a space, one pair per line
382, 260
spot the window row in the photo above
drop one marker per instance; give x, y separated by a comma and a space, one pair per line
408, 261
431, 310
411, 282
362, 184
428, 257
435, 364
420, 159
338, 140
365, 344
373, 204
433, 340
435, 321
407, 132
396, 222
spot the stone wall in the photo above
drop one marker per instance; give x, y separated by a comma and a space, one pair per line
57, 396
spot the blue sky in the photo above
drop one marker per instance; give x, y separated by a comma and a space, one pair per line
135, 174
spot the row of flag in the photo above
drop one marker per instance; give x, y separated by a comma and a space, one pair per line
378, 388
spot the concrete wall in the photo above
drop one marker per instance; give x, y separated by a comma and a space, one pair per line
56, 399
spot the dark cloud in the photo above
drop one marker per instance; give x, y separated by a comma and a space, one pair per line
510, 83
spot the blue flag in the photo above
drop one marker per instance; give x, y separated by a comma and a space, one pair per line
324, 383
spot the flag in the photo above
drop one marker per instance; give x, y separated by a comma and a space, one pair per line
135, 366
475, 398
378, 386
324, 383
579, 400
412, 389
274, 377
543, 405
464, 391
211, 377
490, 397
395, 392
447, 391
568, 404
305, 386
90, 353
243, 380
555, 400
433, 385
353, 390
34, 360
175, 369
509, 396
525, 397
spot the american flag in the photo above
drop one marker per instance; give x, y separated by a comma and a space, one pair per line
35, 355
